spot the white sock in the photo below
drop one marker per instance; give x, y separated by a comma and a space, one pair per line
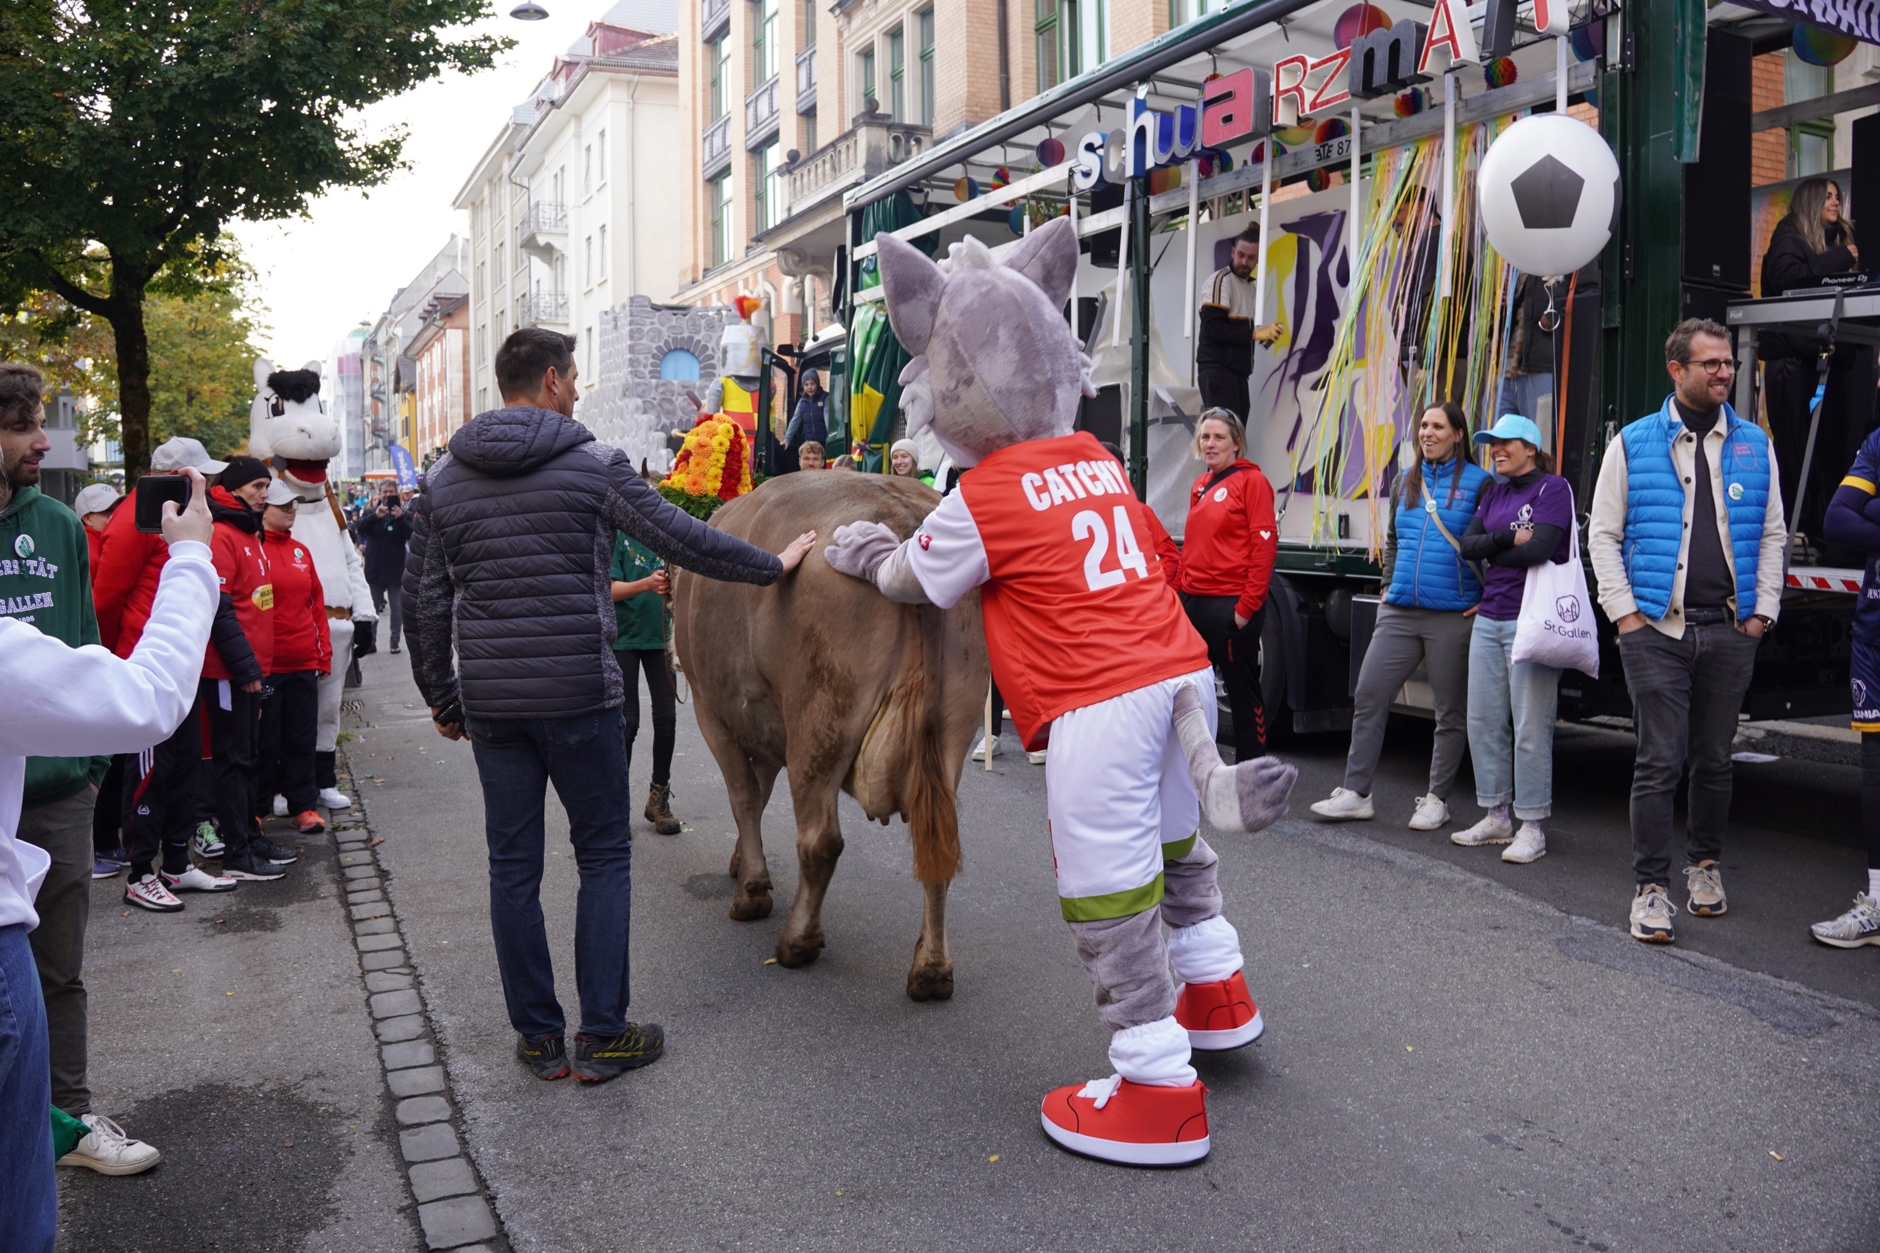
1873, 883
1154, 1053
1207, 952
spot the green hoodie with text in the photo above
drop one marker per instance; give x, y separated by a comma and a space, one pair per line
45, 579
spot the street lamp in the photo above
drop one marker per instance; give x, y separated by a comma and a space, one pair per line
528, 11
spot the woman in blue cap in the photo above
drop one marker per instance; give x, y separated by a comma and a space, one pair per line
1524, 518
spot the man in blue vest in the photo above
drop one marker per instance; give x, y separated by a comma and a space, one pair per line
1686, 538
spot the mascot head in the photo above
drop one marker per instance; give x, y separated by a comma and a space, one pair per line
998, 361
738, 346
288, 423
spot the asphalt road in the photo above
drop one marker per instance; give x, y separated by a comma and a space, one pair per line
1460, 1054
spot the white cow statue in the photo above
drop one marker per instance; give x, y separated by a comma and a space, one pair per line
289, 426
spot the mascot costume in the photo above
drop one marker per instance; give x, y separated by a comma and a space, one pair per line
289, 424
1094, 654
734, 393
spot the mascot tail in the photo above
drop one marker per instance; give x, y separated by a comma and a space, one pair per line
1246, 797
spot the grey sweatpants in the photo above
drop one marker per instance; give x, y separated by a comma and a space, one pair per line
1404, 637
63, 829
1128, 957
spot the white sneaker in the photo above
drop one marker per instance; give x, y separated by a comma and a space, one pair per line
1036, 759
986, 748
1859, 925
1529, 845
196, 879
1432, 813
333, 798
1344, 805
150, 893
1490, 830
109, 1151
280, 807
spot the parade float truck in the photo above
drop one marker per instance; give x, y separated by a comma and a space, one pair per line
1351, 138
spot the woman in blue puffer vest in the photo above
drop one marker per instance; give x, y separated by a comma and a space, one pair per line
1430, 595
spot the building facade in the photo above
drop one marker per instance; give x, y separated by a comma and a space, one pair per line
441, 395
388, 371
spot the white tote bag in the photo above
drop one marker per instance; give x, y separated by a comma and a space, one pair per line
1556, 623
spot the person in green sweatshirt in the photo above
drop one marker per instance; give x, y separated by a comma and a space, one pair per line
45, 579
639, 579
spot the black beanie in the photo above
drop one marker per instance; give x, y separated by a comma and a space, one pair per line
242, 469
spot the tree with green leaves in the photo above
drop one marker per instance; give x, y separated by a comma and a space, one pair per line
135, 131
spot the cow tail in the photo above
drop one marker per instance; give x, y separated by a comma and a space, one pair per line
932, 816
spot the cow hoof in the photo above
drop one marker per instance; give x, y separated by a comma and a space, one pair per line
930, 984
750, 908
801, 951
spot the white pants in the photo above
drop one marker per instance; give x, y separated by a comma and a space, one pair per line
333, 685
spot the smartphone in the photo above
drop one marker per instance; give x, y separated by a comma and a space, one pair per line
152, 491
449, 715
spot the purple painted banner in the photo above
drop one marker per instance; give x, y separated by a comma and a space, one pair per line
1857, 18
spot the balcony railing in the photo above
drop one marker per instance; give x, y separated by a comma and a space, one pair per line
716, 145
760, 115
714, 18
548, 306
806, 80
867, 149
544, 229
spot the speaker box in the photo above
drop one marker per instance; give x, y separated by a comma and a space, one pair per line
1865, 189
1716, 187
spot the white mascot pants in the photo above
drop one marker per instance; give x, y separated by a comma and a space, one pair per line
333, 685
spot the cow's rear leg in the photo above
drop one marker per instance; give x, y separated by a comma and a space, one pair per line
748, 783
818, 845
931, 979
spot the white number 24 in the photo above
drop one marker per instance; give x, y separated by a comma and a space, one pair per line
1088, 524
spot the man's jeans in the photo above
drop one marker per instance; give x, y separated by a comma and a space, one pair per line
585, 757
1685, 697
1511, 723
29, 1213
63, 829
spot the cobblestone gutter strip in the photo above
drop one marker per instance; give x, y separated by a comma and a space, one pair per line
453, 1205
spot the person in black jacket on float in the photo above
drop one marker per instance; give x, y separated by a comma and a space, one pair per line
385, 529
1815, 241
509, 563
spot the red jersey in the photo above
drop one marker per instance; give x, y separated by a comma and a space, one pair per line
241, 566
301, 638
1077, 608
1232, 537
124, 574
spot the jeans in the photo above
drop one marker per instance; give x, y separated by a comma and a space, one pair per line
585, 757
289, 720
1685, 697
1405, 636
383, 593
1236, 651
660, 690
1517, 766
63, 829
28, 1201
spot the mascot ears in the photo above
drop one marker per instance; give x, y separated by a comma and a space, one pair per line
1048, 257
263, 368
912, 284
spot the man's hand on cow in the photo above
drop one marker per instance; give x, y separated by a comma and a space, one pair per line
792, 556
860, 548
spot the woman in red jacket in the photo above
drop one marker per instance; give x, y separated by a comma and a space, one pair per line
303, 651
1226, 565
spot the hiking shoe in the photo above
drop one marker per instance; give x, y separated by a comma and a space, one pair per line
1218, 1015
150, 893
261, 846
1344, 805
1529, 845
986, 748
1490, 830
1859, 925
196, 879
547, 1058
659, 809
1138, 1124
333, 798
280, 806
252, 866
309, 822
1705, 883
109, 1151
105, 868
1651, 914
597, 1061
1432, 813
206, 842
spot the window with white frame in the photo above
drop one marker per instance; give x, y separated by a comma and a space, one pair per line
764, 40
769, 187
720, 201
924, 24
587, 169
601, 239
600, 162
897, 75
865, 76
587, 249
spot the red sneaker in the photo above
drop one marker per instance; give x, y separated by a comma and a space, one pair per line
1115, 1120
1219, 1015
307, 822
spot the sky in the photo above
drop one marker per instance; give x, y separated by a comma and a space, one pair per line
320, 275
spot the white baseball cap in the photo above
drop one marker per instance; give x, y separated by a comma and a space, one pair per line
279, 493
97, 498
183, 453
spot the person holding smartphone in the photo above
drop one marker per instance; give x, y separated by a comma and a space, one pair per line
386, 531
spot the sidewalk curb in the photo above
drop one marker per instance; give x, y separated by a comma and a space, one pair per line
452, 1201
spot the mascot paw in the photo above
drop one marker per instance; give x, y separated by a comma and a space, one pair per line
1261, 789
860, 548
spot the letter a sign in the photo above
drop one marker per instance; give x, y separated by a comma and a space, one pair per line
1451, 34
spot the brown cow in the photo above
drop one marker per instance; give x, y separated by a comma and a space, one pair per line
822, 675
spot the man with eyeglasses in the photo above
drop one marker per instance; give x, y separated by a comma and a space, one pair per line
1686, 538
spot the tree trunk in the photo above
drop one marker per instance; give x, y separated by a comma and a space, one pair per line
133, 362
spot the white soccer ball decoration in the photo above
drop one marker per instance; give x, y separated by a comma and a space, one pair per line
1549, 191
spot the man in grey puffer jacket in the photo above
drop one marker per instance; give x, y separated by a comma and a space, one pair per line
510, 548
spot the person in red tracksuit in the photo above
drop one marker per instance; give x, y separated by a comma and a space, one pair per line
303, 651
240, 655
1227, 565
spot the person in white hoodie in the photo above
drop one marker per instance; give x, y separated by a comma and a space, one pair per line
78, 702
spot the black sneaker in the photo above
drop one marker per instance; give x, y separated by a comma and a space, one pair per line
251, 865
597, 1061
546, 1057
267, 850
